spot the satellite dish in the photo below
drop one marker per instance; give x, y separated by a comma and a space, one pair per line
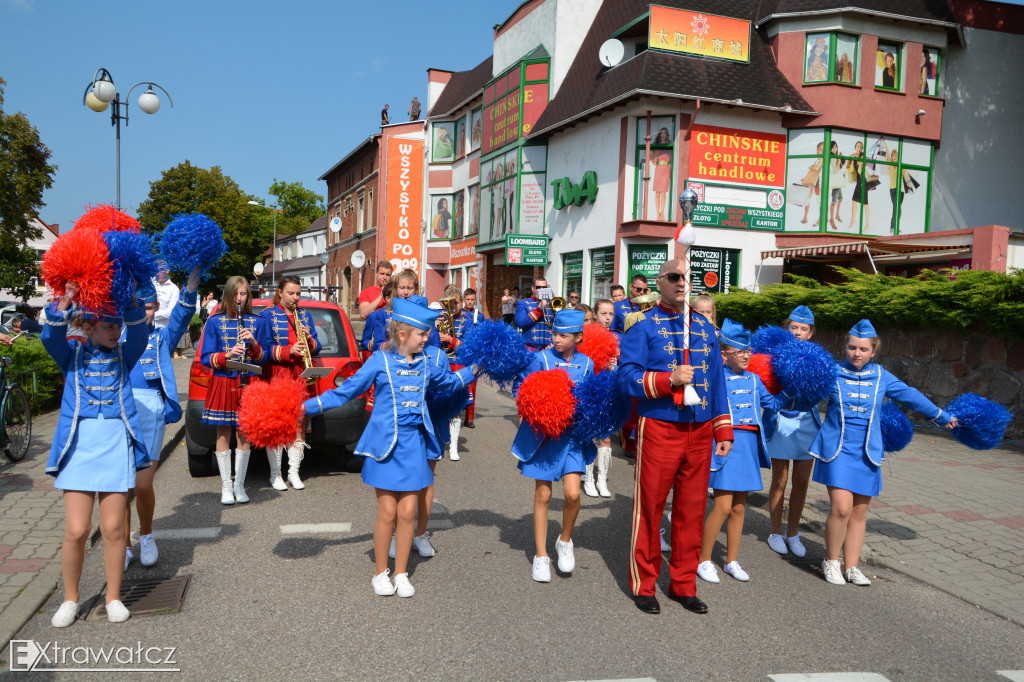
325, 258
358, 259
611, 52
336, 224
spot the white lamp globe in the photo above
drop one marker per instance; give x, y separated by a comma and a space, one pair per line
94, 102
104, 90
149, 102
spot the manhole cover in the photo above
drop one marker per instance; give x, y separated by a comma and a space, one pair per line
149, 597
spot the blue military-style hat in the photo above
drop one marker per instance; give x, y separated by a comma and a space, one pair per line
419, 300
413, 314
863, 330
146, 292
734, 334
568, 321
802, 314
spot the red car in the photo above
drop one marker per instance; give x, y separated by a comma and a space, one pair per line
336, 430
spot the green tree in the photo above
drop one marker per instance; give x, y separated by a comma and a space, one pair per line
190, 189
299, 206
25, 173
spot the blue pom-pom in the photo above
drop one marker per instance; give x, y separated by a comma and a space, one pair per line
601, 409
132, 264
806, 372
191, 240
498, 349
446, 405
896, 428
768, 340
982, 422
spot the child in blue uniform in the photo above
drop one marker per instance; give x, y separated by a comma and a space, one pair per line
789, 434
399, 439
595, 479
738, 473
375, 333
546, 460
156, 399
849, 448
98, 445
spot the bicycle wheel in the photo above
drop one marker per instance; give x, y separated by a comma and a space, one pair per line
17, 424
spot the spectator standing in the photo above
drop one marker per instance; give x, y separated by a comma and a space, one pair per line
508, 308
384, 119
210, 304
637, 287
414, 109
372, 298
167, 294
574, 300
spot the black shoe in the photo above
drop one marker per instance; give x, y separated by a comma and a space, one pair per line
690, 603
647, 603
469, 424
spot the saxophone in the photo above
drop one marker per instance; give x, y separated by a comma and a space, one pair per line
302, 335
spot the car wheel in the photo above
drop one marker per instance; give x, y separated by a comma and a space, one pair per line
201, 464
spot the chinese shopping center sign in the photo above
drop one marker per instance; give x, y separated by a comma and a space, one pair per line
699, 34
741, 157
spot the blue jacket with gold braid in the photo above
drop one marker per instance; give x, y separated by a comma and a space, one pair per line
652, 348
535, 324
221, 333
278, 322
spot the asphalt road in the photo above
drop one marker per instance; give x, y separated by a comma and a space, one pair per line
265, 604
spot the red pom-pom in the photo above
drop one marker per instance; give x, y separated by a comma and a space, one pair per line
80, 256
269, 413
546, 402
103, 217
761, 365
600, 345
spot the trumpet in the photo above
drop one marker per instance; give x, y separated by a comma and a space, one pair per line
646, 301
558, 303
446, 322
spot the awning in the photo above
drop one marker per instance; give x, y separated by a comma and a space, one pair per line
815, 252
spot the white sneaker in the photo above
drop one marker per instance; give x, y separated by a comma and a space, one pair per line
148, 554
117, 612
391, 549
423, 547
833, 573
128, 556
778, 543
853, 575
566, 559
707, 572
796, 546
66, 615
542, 569
734, 569
403, 587
665, 547
382, 584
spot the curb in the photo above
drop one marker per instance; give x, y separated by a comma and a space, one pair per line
32, 597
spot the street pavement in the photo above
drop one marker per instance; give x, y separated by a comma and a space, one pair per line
274, 594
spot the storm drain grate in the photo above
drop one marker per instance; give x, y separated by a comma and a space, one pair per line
149, 597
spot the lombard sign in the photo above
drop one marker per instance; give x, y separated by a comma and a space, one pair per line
526, 249
404, 203
741, 157
566, 193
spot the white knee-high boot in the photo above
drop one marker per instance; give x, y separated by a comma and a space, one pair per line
454, 427
274, 457
604, 462
241, 464
227, 495
588, 481
295, 454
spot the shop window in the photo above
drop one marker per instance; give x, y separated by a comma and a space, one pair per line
572, 272
476, 129
512, 193
443, 149
460, 138
459, 213
928, 82
889, 66
831, 58
654, 175
361, 215
474, 209
856, 183
602, 272
441, 220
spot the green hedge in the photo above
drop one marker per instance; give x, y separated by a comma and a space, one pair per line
30, 357
977, 300
195, 328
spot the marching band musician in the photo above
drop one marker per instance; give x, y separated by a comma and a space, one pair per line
288, 352
468, 318
534, 318
674, 441
375, 333
232, 334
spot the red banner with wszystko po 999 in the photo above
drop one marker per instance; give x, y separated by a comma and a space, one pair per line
403, 208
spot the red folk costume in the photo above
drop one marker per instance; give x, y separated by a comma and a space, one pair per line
219, 336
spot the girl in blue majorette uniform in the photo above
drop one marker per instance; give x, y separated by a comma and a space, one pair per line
98, 445
849, 448
400, 439
789, 433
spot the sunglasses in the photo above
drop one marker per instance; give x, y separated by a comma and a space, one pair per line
672, 277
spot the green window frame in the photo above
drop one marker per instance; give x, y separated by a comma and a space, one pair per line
659, 151
884, 49
931, 70
490, 178
840, 57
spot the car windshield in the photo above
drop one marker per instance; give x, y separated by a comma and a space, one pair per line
330, 332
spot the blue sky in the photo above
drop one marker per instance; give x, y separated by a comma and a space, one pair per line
262, 89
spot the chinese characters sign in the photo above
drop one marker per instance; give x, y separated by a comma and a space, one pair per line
705, 35
742, 157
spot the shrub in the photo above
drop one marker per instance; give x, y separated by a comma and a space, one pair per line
31, 358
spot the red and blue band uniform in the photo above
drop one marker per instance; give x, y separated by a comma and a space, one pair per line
463, 322
220, 334
626, 434
674, 442
622, 310
534, 322
282, 337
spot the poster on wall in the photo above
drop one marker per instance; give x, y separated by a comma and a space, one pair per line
658, 168
443, 149
713, 270
460, 138
459, 214
403, 208
531, 203
441, 216
646, 259
474, 209
477, 130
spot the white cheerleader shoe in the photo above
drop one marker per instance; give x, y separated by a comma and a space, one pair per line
274, 457
295, 455
227, 493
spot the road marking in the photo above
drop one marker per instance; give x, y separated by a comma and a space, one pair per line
627, 679
187, 533
829, 677
1015, 675
307, 528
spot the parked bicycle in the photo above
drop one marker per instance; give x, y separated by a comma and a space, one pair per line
15, 411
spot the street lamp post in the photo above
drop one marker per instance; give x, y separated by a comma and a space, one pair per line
101, 92
273, 246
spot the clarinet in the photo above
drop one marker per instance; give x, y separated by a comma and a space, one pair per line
243, 376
